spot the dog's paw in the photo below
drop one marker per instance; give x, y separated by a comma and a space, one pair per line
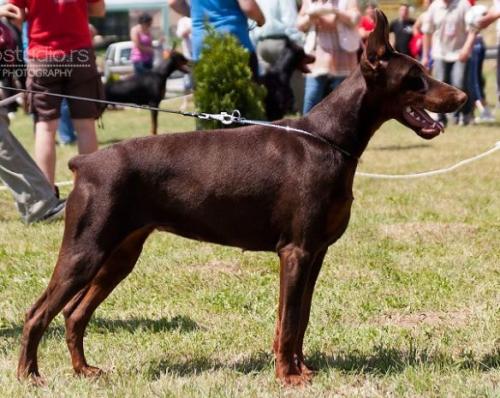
295, 380
89, 371
37, 381
31, 376
304, 369
295, 377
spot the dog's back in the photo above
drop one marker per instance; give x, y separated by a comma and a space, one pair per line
142, 90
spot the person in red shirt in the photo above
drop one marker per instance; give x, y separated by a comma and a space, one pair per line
367, 22
61, 61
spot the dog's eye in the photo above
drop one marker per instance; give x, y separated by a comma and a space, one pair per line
414, 83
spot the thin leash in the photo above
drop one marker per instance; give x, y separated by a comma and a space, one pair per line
235, 117
104, 102
430, 173
223, 117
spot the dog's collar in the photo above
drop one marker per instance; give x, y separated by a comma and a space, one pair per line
338, 148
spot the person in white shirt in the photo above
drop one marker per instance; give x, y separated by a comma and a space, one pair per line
448, 39
333, 24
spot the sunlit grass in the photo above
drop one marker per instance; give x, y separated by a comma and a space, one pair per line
407, 303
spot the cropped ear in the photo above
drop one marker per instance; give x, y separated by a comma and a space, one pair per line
378, 47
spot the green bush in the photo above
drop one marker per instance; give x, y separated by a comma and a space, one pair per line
223, 80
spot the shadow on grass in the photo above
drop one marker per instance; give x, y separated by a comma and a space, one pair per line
389, 360
399, 147
178, 322
252, 364
382, 362
103, 325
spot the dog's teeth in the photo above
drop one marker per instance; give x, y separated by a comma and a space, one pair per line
438, 126
408, 109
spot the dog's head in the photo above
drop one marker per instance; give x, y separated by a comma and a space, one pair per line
298, 57
177, 60
293, 57
403, 84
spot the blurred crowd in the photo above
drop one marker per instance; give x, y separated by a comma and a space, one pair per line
445, 36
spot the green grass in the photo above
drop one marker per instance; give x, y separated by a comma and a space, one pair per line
407, 303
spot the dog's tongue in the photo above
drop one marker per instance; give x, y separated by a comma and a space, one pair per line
436, 127
428, 126
433, 130
429, 131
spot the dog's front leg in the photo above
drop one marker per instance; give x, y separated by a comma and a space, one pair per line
306, 309
294, 273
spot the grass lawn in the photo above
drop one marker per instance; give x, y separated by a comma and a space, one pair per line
407, 303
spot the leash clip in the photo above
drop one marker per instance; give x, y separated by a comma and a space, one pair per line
223, 117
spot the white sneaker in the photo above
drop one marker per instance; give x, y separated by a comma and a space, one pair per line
485, 117
54, 214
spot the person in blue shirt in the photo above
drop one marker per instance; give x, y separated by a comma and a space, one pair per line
226, 16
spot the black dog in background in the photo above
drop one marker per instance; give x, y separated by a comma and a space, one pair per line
279, 99
148, 88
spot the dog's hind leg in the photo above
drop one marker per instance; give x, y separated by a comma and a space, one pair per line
89, 239
294, 272
77, 315
71, 274
306, 309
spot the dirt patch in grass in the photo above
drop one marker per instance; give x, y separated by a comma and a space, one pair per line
427, 231
455, 319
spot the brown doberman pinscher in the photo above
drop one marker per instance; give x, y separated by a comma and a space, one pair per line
257, 188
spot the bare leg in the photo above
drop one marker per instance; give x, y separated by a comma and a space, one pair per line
306, 309
45, 147
77, 315
154, 122
87, 138
294, 270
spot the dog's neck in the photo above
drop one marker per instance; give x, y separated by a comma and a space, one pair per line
166, 69
349, 116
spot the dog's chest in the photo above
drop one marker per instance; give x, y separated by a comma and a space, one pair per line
337, 217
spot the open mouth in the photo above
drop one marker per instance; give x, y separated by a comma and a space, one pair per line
422, 122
